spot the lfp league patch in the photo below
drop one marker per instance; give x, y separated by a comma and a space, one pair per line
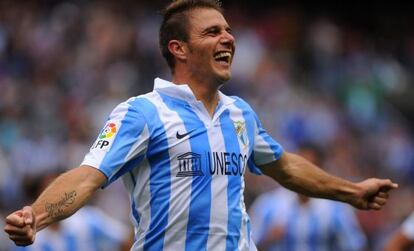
106, 137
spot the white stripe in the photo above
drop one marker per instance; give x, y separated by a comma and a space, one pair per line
219, 183
180, 197
263, 154
141, 193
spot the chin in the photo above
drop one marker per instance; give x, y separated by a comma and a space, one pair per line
224, 76
227, 78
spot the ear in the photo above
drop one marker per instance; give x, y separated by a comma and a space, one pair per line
178, 49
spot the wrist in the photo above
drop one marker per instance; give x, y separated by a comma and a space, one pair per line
351, 193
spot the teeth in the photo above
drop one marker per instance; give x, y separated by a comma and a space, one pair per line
222, 54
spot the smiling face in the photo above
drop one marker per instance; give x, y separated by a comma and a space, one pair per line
211, 46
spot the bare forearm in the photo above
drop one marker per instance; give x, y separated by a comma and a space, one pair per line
300, 175
65, 196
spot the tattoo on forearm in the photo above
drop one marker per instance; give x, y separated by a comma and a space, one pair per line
55, 210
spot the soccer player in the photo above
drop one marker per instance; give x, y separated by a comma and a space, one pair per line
182, 151
403, 238
284, 220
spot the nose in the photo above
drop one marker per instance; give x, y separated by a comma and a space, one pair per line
227, 38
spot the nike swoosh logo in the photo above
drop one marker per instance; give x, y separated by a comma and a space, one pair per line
180, 136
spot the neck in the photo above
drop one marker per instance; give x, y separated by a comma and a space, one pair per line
205, 92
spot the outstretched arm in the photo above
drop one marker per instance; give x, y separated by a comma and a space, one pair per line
59, 200
297, 174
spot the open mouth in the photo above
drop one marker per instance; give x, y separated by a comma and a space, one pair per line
223, 57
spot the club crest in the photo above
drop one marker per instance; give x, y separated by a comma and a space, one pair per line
241, 132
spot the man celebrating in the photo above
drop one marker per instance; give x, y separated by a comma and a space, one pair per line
182, 151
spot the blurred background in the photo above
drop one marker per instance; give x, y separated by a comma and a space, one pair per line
338, 76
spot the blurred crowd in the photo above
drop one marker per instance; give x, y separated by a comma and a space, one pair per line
311, 78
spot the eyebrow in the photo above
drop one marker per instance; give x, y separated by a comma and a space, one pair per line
215, 28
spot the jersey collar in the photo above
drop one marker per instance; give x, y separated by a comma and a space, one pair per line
183, 91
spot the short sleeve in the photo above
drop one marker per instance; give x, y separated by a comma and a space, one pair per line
121, 144
408, 227
265, 148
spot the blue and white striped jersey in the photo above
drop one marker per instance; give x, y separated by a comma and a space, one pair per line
184, 169
319, 224
408, 227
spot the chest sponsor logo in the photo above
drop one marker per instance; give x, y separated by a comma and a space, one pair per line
216, 163
189, 164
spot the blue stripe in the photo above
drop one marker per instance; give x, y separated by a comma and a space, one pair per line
252, 166
200, 204
270, 212
234, 182
249, 119
71, 243
347, 229
333, 229
47, 247
291, 228
95, 231
314, 234
131, 128
134, 211
160, 176
16, 248
337, 223
127, 167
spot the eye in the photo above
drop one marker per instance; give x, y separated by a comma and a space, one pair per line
213, 31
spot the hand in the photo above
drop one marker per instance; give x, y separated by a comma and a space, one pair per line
374, 193
21, 226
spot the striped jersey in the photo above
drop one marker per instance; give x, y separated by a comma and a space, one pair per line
319, 224
408, 227
184, 169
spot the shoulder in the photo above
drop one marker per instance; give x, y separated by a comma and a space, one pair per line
241, 103
245, 107
135, 110
141, 104
138, 102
